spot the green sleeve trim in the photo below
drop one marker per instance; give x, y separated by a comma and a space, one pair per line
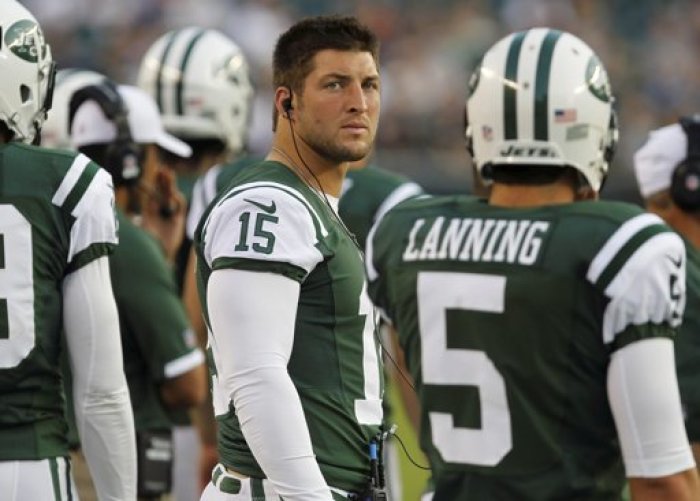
296, 273
632, 245
90, 253
80, 187
635, 333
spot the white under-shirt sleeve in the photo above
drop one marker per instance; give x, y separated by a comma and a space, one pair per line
252, 316
645, 402
101, 398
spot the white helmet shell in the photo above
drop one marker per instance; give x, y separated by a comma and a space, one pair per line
54, 133
542, 97
27, 71
200, 80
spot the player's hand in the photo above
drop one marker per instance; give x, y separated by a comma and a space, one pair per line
164, 214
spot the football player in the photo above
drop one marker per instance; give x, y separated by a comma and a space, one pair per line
296, 371
538, 323
366, 195
57, 227
667, 168
120, 127
200, 80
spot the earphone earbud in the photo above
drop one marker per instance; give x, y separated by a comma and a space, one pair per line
287, 106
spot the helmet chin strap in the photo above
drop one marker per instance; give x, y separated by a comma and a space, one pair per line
36, 141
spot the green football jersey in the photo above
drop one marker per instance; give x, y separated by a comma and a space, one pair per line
367, 194
56, 215
688, 347
270, 220
157, 342
508, 319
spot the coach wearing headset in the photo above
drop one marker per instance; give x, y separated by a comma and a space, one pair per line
120, 128
667, 167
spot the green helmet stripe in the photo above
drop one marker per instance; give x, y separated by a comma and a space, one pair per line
510, 115
159, 79
544, 67
180, 107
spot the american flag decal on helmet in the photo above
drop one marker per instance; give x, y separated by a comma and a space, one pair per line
564, 115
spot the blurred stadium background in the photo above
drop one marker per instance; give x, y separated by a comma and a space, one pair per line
650, 48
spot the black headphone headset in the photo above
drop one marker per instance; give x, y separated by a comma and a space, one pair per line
685, 180
122, 155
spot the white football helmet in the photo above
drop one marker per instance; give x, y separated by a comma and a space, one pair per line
54, 133
199, 78
542, 97
27, 71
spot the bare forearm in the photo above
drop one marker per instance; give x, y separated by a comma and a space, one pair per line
683, 486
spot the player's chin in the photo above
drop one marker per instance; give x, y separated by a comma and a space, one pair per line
357, 147
352, 153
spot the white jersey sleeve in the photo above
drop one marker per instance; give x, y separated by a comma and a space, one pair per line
264, 228
87, 192
648, 287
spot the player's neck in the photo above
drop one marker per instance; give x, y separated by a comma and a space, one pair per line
688, 225
510, 195
121, 197
316, 171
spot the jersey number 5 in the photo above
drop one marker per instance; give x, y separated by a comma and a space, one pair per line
437, 293
17, 335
